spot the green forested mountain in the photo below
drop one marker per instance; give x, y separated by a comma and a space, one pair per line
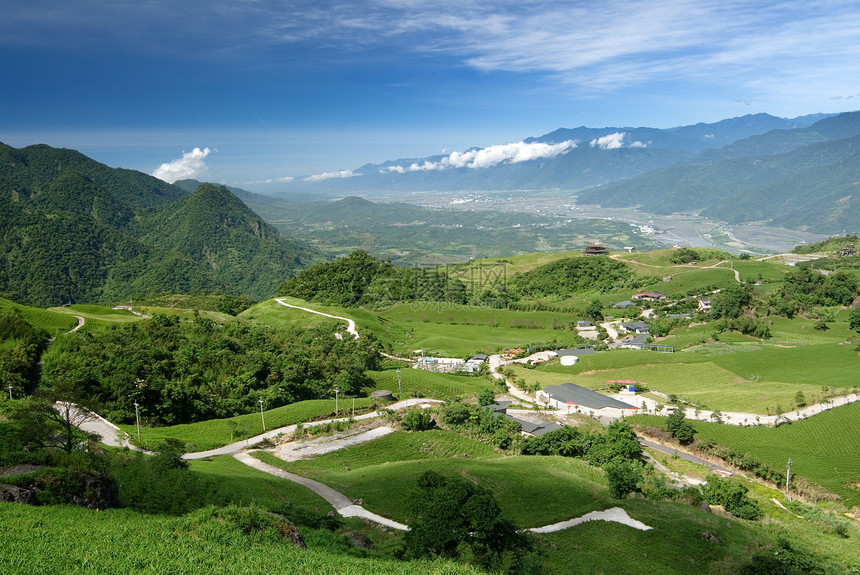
73, 229
214, 228
805, 179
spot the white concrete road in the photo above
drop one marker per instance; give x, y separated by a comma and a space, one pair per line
350, 324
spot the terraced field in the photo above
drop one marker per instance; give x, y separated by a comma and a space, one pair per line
824, 448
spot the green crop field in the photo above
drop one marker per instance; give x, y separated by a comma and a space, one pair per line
823, 448
67, 539
533, 491
694, 281
51, 321
745, 377
218, 432
420, 383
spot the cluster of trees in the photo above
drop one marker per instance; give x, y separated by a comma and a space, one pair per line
568, 276
360, 279
617, 451
454, 518
805, 288
21, 346
185, 371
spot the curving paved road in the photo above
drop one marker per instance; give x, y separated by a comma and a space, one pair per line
350, 324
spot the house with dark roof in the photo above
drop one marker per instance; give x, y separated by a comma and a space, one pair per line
530, 429
623, 304
584, 324
637, 327
570, 397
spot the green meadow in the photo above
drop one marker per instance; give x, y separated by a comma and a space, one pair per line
51, 321
743, 377
420, 383
214, 433
383, 474
823, 449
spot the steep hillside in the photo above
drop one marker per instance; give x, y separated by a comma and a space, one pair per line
75, 230
805, 179
214, 228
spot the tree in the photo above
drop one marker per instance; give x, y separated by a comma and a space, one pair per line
453, 514
854, 320
624, 477
416, 420
679, 427
595, 310
486, 397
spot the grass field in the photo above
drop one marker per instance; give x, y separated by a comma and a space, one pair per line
218, 432
237, 483
420, 383
53, 322
383, 474
67, 539
824, 448
745, 377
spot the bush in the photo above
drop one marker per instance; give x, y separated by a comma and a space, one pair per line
416, 420
624, 477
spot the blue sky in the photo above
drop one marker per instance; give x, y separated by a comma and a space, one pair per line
268, 90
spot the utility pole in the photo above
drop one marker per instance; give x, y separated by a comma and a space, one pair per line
399, 385
335, 402
353, 408
262, 417
10, 390
137, 418
788, 477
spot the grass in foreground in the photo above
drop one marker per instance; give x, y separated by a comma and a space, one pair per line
66, 539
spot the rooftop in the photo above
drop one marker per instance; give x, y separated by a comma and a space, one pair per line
576, 395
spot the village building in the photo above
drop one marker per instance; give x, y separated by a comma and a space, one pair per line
704, 305
637, 327
649, 296
570, 398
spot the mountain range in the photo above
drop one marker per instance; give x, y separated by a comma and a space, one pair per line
798, 173
73, 229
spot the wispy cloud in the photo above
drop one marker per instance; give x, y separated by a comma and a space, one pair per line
190, 165
490, 156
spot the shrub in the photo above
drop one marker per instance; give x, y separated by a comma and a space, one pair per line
416, 420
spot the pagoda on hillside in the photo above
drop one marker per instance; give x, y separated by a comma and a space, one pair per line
595, 249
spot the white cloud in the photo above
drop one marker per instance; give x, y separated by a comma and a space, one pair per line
189, 166
614, 142
490, 156
329, 175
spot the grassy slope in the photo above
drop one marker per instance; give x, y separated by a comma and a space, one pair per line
749, 378
64, 539
535, 491
51, 321
823, 448
217, 432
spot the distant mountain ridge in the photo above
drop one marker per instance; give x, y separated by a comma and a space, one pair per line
593, 157
75, 230
806, 178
